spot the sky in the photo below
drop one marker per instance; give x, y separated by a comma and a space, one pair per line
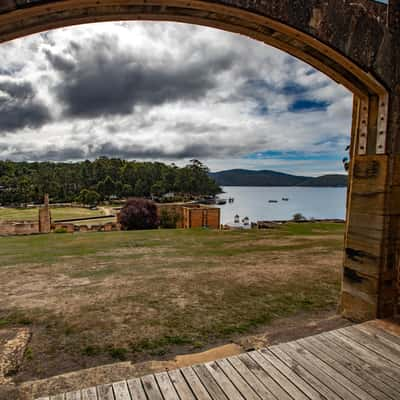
168, 92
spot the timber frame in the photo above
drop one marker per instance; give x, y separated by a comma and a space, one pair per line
357, 44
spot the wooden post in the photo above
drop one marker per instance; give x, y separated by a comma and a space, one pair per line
371, 257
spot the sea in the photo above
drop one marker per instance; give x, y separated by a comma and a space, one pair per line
311, 202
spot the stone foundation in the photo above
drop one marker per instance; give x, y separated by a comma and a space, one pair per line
10, 228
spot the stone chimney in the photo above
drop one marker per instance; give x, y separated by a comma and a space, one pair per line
45, 216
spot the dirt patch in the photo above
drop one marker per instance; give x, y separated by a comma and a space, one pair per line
288, 329
13, 343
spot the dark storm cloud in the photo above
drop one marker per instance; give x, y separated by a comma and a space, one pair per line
20, 108
98, 78
188, 150
46, 154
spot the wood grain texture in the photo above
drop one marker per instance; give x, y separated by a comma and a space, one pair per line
360, 362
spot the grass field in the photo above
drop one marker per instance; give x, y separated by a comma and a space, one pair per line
28, 214
95, 298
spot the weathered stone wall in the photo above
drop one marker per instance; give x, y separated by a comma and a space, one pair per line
18, 228
71, 228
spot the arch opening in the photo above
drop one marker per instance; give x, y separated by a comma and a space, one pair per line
371, 162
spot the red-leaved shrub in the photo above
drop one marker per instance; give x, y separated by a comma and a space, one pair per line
139, 213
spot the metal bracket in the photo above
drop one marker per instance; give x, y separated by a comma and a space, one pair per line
383, 109
363, 126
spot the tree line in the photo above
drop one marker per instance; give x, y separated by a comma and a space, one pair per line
105, 178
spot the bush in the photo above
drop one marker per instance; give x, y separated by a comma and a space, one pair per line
299, 217
60, 230
169, 219
139, 213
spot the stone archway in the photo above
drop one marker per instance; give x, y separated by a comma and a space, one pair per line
356, 43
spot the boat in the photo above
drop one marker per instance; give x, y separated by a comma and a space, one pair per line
285, 199
272, 201
220, 201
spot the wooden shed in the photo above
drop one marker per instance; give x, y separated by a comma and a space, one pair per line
201, 217
193, 215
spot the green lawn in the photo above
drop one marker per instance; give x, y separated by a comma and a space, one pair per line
96, 297
28, 214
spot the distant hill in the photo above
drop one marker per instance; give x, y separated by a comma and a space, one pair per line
244, 177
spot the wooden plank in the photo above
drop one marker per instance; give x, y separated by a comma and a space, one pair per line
105, 392
277, 376
89, 394
308, 390
151, 388
226, 385
195, 384
343, 381
318, 372
43, 398
241, 385
320, 351
356, 358
251, 379
268, 382
324, 390
136, 389
366, 355
181, 385
371, 373
166, 387
208, 381
380, 337
381, 333
121, 391
362, 339
73, 395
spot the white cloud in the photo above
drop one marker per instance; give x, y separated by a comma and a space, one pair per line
247, 103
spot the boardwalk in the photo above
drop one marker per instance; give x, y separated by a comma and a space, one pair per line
361, 362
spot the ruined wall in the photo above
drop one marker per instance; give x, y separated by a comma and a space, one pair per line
71, 228
18, 228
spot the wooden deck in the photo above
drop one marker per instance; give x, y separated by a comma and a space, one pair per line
358, 362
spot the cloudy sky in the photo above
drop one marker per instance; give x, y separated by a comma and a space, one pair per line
168, 92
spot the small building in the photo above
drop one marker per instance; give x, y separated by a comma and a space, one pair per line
201, 217
192, 215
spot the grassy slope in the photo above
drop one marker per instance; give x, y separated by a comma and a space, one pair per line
93, 297
21, 214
